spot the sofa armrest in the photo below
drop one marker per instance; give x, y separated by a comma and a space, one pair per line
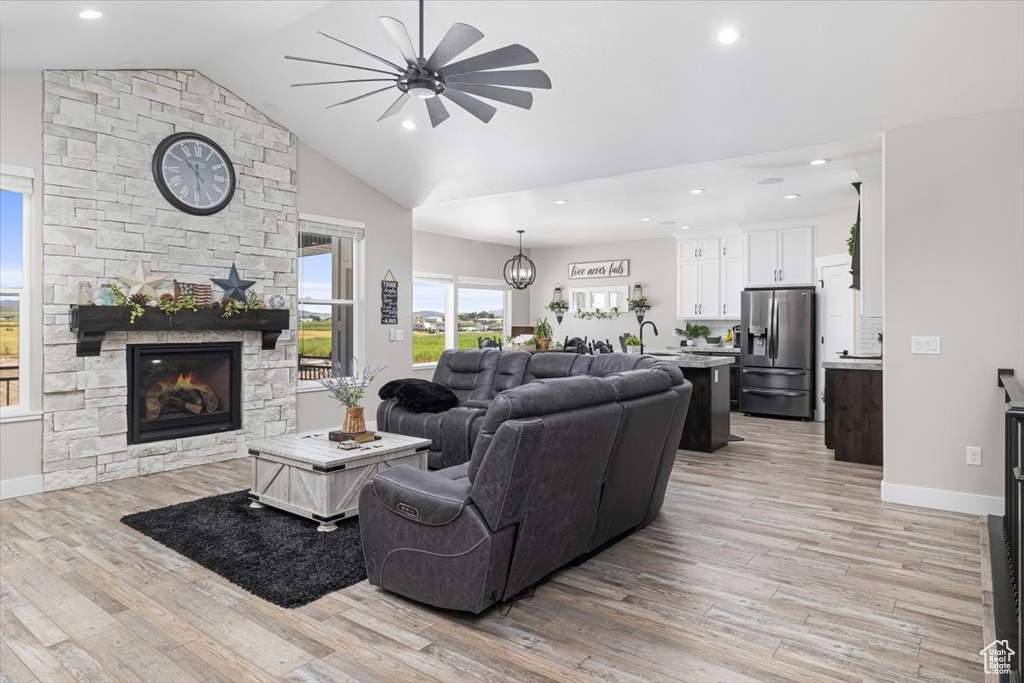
476, 403
457, 435
384, 413
420, 496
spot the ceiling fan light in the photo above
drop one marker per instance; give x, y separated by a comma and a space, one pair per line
421, 89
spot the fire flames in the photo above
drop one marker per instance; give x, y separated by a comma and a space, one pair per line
183, 394
184, 381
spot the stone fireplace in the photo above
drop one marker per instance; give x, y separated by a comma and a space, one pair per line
102, 213
179, 390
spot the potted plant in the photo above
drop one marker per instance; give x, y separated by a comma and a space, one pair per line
542, 330
691, 332
632, 344
349, 390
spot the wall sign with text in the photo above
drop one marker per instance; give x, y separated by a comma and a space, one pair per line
599, 269
389, 300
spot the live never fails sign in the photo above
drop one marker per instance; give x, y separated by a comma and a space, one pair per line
599, 269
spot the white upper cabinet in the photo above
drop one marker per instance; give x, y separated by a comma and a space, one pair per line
783, 257
703, 291
732, 286
732, 246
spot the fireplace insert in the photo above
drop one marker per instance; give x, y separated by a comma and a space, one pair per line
177, 390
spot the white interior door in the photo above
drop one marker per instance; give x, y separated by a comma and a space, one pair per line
835, 320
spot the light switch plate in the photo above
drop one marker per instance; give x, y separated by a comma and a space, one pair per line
974, 456
925, 345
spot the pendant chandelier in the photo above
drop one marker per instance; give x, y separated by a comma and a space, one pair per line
519, 270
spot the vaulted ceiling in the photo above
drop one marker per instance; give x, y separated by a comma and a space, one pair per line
636, 85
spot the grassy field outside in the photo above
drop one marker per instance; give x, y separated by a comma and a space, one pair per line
315, 338
427, 347
9, 338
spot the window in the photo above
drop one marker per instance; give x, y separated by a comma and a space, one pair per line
449, 312
14, 207
327, 298
431, 310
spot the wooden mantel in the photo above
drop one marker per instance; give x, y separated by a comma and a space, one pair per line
93, 322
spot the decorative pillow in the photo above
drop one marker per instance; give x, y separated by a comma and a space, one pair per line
391, 388
421, 396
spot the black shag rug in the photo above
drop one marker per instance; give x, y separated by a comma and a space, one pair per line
274, 555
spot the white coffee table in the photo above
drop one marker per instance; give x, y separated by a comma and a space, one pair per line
308, 475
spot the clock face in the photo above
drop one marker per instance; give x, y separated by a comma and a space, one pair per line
194, 174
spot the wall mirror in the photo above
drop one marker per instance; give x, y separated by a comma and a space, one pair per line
590, 299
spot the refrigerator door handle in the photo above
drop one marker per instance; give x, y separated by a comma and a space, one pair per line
775, 328
782, 373
773, 392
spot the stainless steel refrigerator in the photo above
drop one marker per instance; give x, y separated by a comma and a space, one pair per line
777, 352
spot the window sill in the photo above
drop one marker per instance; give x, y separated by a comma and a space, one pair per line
424, 366
20, 416
309, 387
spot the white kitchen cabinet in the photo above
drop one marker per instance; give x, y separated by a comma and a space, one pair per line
732, 286
732, 246
688, 289
783, 257
796, 256
710, 288
707, 248
689, 251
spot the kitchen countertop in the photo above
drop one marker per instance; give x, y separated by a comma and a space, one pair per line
689, 360
724, 350
853, 364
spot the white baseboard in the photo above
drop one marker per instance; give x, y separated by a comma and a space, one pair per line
22, 486
939, 499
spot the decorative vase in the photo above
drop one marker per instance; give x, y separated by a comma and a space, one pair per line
632, 349
543, 344
354, 422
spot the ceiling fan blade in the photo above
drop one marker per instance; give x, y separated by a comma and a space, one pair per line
368, 54
481, 110
400, 35
373, 92
352, 80
517, 98
460, 37
347, 66
526, 78
395, 107
438, 112
510, 55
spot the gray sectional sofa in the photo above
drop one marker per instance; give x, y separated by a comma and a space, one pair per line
559, 467
476, 376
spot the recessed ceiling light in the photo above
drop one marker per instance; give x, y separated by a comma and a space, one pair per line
728, 35
667, 223
90, 14
699, 190
561, 201
769, 181
409, 125
820, 162
791, 196
684, 227
646, 218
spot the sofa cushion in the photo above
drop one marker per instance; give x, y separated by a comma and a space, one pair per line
421, 396
636, 383
511, 370
551, 365
469, 373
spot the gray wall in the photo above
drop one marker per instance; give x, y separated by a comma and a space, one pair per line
21, 144
326, 189
954, 249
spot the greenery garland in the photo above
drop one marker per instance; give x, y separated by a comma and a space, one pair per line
136, 303
598, 314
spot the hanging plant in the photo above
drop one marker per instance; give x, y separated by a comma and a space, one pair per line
557, 306
643, 303
851, 240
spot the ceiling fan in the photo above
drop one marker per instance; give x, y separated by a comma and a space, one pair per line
461, 82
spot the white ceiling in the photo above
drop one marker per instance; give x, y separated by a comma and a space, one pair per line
612, 209
636, 85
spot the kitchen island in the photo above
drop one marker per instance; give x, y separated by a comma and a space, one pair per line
707, 421
853, 409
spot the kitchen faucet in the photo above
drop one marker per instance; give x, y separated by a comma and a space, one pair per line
642, 326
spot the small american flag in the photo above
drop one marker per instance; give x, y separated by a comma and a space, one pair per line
203, 294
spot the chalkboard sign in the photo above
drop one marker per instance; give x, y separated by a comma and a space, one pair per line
389, 300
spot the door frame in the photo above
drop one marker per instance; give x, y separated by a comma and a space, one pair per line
820, 263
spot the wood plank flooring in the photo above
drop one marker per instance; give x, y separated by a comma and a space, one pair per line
769, 562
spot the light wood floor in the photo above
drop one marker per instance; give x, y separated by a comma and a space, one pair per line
769, 562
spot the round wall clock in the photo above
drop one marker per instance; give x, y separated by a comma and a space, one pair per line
193, 173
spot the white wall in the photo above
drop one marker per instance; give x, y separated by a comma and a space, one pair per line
651, 263
326, 189
954, 249
831, 230
21, 144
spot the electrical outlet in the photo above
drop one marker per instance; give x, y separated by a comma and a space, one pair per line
974, 455
925, 345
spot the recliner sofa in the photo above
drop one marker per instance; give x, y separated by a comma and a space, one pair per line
560, 467
476, 376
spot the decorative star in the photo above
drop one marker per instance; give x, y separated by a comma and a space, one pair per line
234, 286
141, 282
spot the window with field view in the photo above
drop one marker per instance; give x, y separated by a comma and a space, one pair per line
481, 315
430, 335
326, 304
12, 296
